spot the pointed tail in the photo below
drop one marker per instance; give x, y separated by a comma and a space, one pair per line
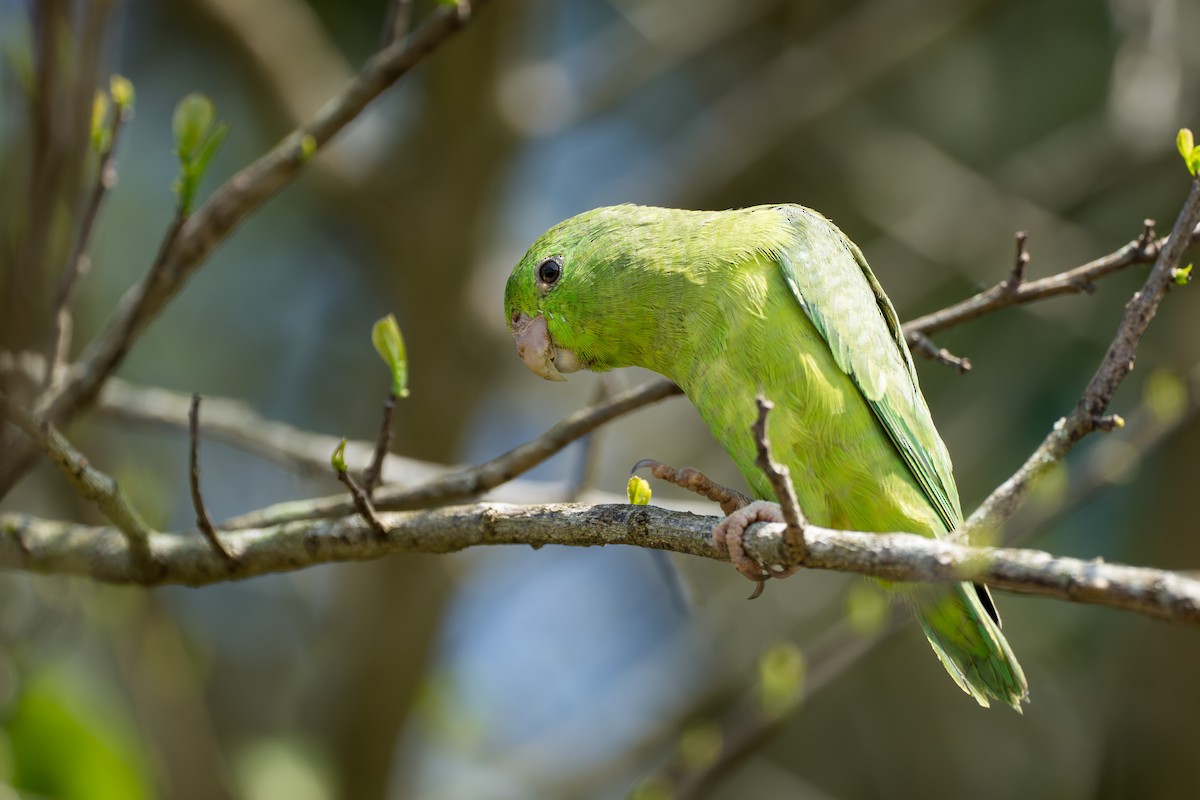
970, 646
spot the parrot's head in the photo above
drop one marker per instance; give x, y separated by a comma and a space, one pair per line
572, 301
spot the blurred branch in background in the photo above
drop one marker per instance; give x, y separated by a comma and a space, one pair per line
232, 203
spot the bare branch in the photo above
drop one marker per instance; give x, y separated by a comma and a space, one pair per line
77, 265
1088, 414
360, 496
472, 481
374, 471
925, 346
228, 207
1141, 250
1017, 276
203, 521
89, 483
104, 553
781, 484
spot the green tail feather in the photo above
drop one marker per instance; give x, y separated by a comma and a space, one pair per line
971, 647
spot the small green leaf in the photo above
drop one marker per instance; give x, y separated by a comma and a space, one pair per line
100, 133
1185, 142
120, 89
1182, 275
196, 142
638, 490
190, 123
338, 459
1188, 149
385, 335
209, 149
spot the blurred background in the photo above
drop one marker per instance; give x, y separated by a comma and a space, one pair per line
929, 131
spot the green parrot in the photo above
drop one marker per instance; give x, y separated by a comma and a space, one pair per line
773, 300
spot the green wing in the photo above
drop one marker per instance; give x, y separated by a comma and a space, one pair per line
830, 279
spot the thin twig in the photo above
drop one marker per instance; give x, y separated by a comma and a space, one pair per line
203, 521
1089, 412
244, 193
91, 484
229, 206
781, 483
77, 266
240, 425
472, 481
374, 471
1072, 281
925, 346
1017, 276
362, 503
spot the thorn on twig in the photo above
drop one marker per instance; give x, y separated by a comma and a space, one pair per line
1017, 276
695, 481
362, 503
374, 473
781, 483
926, 347
203, 521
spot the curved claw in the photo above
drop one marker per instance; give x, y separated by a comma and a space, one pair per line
727, 537
644, 463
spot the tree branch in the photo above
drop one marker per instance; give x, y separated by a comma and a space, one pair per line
1142, 250
228, 207
89, 483
471, 481
1117, 363
203, 521
104, 553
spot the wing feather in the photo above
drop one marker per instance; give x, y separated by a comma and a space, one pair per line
835, 287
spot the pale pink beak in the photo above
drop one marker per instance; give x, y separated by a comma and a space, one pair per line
535, 347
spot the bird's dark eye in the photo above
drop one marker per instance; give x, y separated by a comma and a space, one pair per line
549, 271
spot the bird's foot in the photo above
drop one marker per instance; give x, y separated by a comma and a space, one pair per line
695, 481
727, 537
